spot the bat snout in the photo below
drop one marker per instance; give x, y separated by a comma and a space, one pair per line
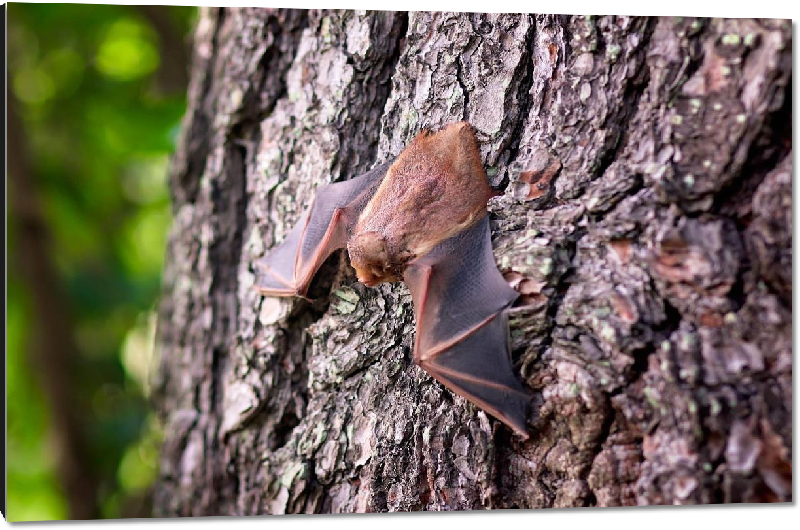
372, 276
367, 278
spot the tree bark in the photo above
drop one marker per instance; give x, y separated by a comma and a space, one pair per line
645, 165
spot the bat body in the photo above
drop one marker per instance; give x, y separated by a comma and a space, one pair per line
421, 219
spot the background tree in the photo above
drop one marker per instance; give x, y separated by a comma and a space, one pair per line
95, 97
645, 165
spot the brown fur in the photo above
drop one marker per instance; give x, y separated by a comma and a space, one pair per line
434, 189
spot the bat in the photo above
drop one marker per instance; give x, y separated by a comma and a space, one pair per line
421, 219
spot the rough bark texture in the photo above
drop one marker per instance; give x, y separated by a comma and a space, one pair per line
646, 218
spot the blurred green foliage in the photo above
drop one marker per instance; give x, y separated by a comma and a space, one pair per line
99, 128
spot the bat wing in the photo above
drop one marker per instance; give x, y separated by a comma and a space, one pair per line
460, 300
289, 267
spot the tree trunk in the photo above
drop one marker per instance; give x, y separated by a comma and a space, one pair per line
645, 165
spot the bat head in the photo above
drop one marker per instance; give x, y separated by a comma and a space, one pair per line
371, 258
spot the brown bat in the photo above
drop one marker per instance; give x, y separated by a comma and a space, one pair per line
422, 219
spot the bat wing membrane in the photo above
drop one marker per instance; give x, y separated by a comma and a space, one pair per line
460, 300
287, 270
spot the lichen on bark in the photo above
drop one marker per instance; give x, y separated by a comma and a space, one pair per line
645, 218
